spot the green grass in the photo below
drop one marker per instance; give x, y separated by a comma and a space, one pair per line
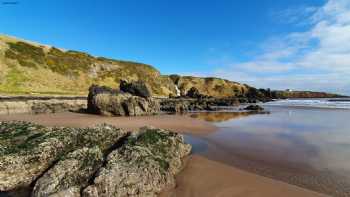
13, 81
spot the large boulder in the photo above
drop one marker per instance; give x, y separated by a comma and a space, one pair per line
106, 101
98, 161
96, 90
27, 150
137, 88
143, 166
194, 93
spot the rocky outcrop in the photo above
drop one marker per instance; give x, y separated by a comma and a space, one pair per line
179, 105
137, 88
36, 105
209, 86
106, 101
143, 166
254, 108
98, 161
194, 93
27, 150
185, 105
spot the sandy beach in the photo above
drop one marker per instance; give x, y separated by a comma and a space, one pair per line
206, 178
178, 123
201, 176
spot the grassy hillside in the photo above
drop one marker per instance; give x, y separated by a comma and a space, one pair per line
27, 67
31, 68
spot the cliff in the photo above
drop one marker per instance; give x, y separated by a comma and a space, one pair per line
304, 94
210, 86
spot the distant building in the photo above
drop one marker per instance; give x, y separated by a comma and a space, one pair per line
289, 90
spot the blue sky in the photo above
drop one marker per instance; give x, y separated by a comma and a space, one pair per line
266, 43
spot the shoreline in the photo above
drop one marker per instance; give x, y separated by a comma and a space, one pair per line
194, 169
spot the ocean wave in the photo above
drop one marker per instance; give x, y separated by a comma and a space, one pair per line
319, 103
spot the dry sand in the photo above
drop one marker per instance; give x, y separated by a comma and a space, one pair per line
201, 177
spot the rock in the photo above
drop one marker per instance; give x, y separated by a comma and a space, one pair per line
254, 108
137, 88
70, 174
98, 161
135, 106
111, 102
180, 105
143, 166
194, 93
27, 150
32, 105
56, 106
95, 90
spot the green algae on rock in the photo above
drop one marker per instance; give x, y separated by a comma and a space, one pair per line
102, 160
27, 149
143, 166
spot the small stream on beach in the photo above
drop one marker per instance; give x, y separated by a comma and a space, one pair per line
304, 146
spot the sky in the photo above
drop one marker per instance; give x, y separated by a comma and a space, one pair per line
289, 44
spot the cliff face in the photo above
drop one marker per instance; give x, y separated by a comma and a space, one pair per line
210, 86
27, 67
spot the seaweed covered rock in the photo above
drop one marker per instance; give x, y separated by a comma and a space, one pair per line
27, 150
143, 166
106, 101
137, 88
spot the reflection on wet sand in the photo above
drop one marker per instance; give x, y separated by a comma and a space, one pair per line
222, 116
304, 147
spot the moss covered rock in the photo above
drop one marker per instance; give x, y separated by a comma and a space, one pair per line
27, 150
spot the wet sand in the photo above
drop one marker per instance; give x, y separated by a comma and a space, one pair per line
206, 178
201, 176
178, 123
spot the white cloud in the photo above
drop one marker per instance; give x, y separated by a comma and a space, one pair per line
317, 59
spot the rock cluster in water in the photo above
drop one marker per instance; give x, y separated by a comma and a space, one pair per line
99, 161
254, 108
